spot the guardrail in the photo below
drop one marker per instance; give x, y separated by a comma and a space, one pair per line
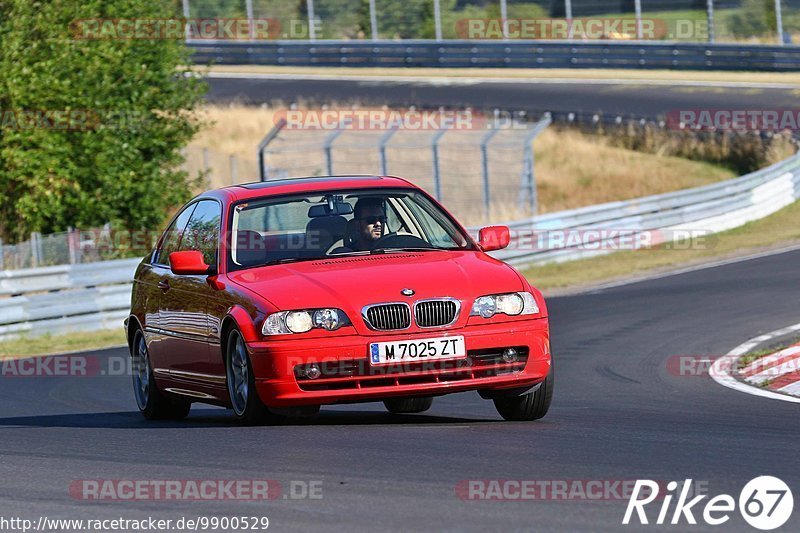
708, 209
500, 54
97, 295
65, 298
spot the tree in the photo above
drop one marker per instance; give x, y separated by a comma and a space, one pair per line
119, 160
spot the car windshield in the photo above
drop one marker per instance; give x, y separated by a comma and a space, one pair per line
339, 223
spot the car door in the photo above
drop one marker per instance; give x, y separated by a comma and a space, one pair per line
185, 303
156, 277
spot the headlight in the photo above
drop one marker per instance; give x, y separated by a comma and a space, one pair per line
327, 319
275, 325
510, 304
513, 304
299, 321
286, 322
485, 306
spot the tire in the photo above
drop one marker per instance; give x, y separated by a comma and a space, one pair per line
247, 406
407, 405
531, 406
152, 403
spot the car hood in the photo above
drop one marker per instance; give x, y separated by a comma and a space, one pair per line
350, 283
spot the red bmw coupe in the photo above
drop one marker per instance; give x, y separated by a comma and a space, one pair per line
274, 298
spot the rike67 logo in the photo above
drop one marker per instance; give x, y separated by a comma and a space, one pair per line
765, 503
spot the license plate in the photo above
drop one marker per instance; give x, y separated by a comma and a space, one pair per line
384, 353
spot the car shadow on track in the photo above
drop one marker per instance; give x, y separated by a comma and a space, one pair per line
205, 418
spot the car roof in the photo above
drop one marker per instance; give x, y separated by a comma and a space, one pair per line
260, 189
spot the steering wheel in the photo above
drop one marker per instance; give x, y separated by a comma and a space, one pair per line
394, 240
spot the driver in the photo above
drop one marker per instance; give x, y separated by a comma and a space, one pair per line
370, 222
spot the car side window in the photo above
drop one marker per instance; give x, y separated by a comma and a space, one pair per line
393, 221
202, 232
435, 233
172, 237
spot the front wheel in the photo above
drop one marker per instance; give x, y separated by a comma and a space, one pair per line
151, 402
408, 405
530, 406
246, 404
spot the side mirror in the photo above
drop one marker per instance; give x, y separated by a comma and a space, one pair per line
188, 263
494, 238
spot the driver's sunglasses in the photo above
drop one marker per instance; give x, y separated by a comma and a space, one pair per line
374, 219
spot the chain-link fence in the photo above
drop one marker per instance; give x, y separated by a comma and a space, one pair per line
62, 248
481, 175
752, 21
219, 169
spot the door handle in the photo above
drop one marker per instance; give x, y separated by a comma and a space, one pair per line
163, 285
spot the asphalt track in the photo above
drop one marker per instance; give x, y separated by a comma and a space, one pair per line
626, 98
617, 414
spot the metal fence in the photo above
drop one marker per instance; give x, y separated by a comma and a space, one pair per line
763, 21
491, 168
63, 248
66, 298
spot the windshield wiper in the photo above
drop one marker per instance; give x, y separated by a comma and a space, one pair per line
284, 260
405, 249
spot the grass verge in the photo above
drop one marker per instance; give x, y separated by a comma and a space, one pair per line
773, 231
791, 78
54, 344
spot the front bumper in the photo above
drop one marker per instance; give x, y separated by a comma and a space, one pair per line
274, 364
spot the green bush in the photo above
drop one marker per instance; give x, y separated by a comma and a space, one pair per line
754, 19
122, 165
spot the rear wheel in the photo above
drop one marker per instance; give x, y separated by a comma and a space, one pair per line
151, 402
530, 406
408, 405
246, 404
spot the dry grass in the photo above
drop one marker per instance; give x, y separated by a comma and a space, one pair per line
234, 129
55, 344
572, 169
575, 169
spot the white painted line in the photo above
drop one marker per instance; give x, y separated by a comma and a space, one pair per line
720, 370
464, 80
792, 388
